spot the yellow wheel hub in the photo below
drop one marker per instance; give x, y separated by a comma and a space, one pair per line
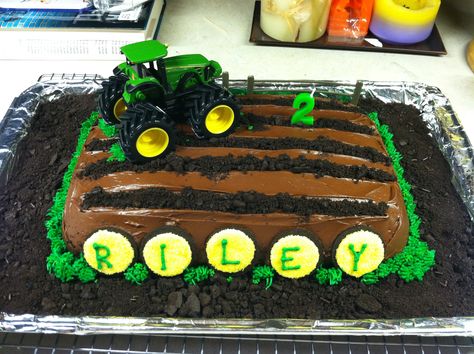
152, 142
119, 108
219, 119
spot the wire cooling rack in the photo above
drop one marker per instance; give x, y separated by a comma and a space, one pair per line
68, 77
26, 343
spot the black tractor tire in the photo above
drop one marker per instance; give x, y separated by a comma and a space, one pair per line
112, 91
203, 100
146, 133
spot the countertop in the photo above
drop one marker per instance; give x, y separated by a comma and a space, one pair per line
220, 30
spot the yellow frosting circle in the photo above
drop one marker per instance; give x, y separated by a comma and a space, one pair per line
167, 254
294, 256
360, 252
108, 252
407, 12
230, 250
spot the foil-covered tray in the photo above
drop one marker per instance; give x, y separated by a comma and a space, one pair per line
439, 117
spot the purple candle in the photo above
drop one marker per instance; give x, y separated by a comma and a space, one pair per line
404, 21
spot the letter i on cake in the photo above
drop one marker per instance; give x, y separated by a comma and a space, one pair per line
172, 178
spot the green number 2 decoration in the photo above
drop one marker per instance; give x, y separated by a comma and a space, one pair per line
304, 103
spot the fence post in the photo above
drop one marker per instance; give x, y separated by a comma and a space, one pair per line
225, 79
250, 84
357, 93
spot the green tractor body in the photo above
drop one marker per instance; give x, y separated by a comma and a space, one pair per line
175, 89
146, 63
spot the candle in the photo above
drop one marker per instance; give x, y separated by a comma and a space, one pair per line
294, 20
304, 103
350, 18
404, 21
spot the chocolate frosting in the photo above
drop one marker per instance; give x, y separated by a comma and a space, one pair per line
78, 223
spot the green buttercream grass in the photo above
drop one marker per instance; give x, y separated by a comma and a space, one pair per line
416, 258
108, 129
328, 276
137, 274
264, 272
194, 275
116, 153
62, 263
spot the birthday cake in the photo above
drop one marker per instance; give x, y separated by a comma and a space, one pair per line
289, 196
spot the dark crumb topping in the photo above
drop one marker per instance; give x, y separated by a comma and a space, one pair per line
240, 202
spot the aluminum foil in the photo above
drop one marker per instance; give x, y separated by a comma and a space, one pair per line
456, 326
15, 125
436, 112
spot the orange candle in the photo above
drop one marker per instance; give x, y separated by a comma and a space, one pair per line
350, 18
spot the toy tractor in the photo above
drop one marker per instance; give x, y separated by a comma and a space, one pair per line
149, 93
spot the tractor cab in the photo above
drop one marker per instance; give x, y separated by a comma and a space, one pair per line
150, 53
148, 59
144, 52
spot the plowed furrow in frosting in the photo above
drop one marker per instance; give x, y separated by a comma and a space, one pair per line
282, 132
97, 141
287, 100
321, 144
196, 152
270, 110
269, 183
193, 152
220, 166
100, 144
292, 146
275, 132
239, 203
279, 100
283, 138
328, 123
282, 100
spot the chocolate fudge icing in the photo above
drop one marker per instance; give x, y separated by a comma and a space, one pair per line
79, 223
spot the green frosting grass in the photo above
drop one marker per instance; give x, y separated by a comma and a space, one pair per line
137, 274
194, 275
61, 262
416, 258
328, 276
116, 153
109, 130
264, 272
